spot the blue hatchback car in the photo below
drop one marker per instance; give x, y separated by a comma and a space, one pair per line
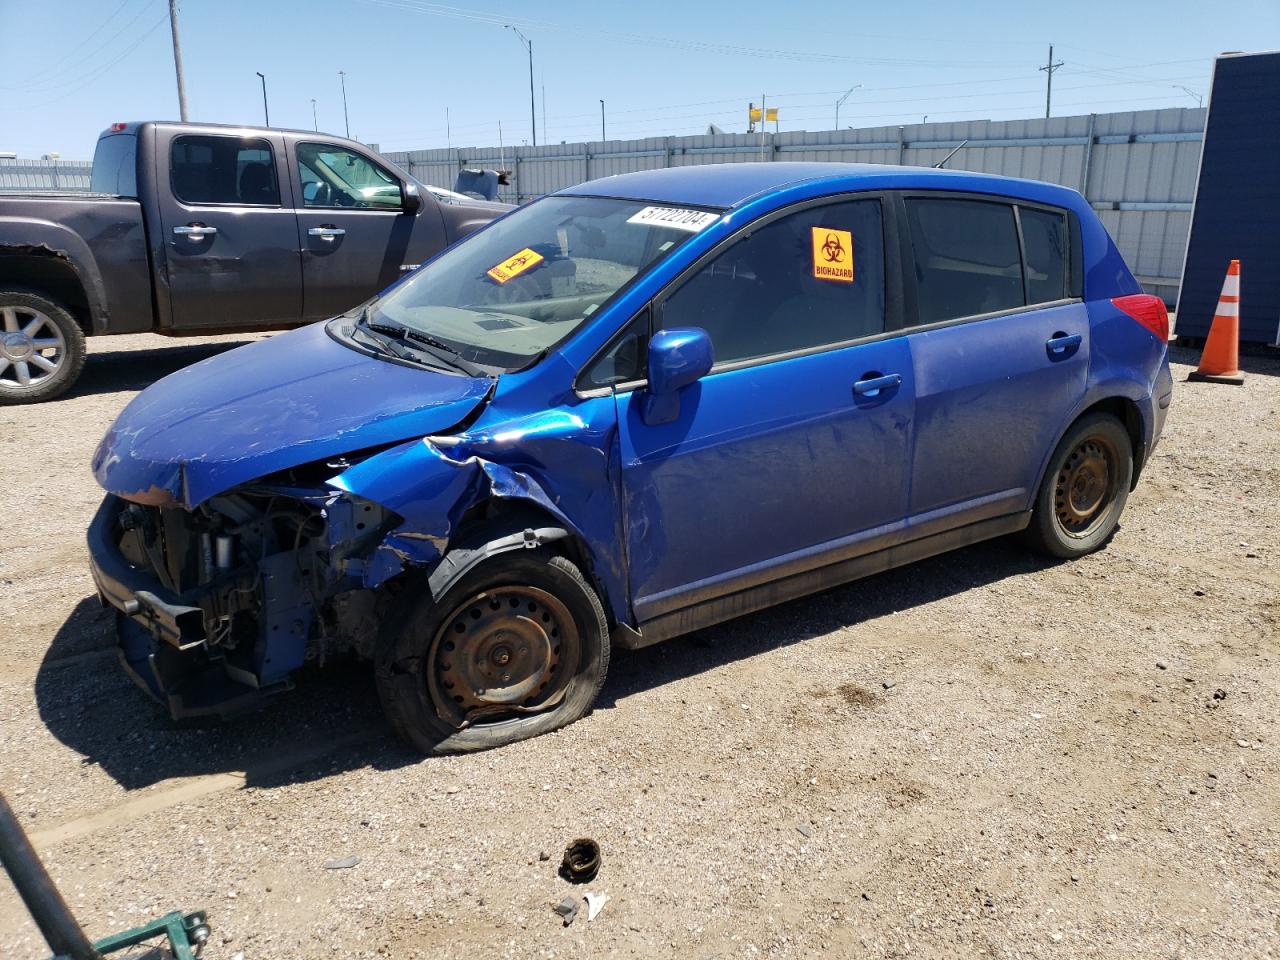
618, 414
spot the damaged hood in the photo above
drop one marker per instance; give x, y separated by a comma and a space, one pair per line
269, 406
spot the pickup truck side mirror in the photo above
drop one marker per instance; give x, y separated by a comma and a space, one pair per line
677, 358
412, 198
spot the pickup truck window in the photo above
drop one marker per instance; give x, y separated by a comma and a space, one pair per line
115, 166
230, 170
334, 177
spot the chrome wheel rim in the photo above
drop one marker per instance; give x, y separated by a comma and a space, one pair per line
32, 348
503, 654
1085, 487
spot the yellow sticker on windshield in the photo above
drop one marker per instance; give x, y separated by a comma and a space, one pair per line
512, 267
833, 255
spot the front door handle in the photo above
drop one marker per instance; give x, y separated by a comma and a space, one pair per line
195, 232
326, 232
871, 385
1060, 343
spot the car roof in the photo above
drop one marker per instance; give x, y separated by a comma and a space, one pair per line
728, 185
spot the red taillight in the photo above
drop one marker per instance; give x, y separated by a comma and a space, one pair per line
1148, 311
117, 127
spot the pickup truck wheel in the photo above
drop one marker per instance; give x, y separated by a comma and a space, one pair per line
1084, 489
41, 348
517, 648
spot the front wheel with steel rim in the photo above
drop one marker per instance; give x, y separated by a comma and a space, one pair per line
41, 347
1084, 489
518, 647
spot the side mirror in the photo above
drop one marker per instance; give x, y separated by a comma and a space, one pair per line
412, 198
677, 358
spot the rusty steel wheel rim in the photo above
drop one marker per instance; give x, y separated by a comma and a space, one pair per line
503, 654
1085, 487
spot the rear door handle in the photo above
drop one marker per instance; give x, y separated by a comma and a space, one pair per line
1060, 343
872, 386
195, 232
325, 232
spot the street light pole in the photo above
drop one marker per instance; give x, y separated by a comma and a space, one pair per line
602, 136
346, 121
533, 117
315, 122
1199, 99
840, 102
266, 115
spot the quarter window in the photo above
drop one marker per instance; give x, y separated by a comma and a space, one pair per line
1044, 240
337, 177
966, 257
223, 170
626, 360
809, 279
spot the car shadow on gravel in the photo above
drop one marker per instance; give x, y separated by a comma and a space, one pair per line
330, 723
115, 371
862, 601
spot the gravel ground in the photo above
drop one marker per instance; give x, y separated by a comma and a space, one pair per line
984, 754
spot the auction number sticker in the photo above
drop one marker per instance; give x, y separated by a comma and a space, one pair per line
677, 218
512, 267
832, 255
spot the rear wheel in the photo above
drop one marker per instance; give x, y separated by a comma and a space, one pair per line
1084, 489
41, 348
517, 648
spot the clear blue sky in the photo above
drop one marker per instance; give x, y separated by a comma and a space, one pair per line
663, 66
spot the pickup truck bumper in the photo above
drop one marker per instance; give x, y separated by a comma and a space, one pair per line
161, 634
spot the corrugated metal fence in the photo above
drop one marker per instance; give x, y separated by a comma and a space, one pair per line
44, 174
1137, 169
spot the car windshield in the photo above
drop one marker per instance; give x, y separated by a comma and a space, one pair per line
506, 295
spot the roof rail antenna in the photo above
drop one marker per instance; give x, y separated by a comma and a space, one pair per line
943, 162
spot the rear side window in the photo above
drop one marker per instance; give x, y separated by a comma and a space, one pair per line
966, 256
1044, 240
115, 166
226, 170
808, 279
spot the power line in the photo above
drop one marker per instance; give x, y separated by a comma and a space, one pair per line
701, 46
106, 68
656, 115
34, 83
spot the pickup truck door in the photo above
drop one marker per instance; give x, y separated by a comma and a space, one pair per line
229, 231
356, 234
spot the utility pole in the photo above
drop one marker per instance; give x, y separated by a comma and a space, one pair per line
315, 121
346, 121
266, 114
448, 130
1048, 69
533, 116
602, 136
545, 138
840, 102
177, 61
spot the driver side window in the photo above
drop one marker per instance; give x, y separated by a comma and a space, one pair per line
333, 176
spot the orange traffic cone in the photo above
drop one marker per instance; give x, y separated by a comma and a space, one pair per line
1220, 361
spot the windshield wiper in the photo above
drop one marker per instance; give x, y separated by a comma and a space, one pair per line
435, 347
388, 338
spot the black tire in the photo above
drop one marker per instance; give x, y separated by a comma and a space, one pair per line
559, 616
1084, 489
19, 358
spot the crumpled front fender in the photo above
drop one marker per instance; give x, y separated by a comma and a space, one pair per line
430, 484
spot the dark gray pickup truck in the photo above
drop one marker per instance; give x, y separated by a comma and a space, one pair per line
203, 228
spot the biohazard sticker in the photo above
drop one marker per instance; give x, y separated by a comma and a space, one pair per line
512, 267
677, 218
832, 255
